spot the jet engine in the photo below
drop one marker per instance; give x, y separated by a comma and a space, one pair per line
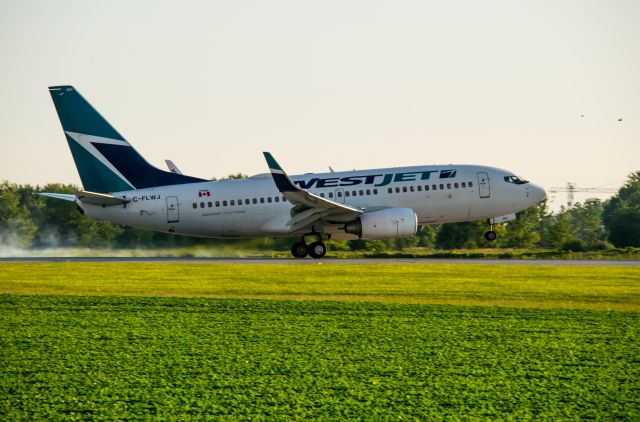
384, 224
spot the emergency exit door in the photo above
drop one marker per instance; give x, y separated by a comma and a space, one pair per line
173, 211
483, 185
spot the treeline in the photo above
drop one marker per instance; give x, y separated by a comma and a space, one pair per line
28, 220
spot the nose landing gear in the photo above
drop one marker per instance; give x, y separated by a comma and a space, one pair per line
315, 249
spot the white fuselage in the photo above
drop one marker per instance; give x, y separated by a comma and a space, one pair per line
253, 207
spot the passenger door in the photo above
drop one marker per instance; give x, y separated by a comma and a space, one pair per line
339, 193
173, 211
483, 185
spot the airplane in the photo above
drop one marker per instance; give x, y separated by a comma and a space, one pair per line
119, 185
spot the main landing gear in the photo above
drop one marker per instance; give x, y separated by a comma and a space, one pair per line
315, 249
490, 235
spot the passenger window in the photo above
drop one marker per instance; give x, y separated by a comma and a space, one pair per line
262, 200
389, 190
201, 204
284, 199
411, 188
448, 185
232, 202
404, 189
434, 187
470, 184
397, 189
330, 194
464, 185
195, 205
354, 193
368, 191
210, 204
361, 192
375, 191
247, 202
346, 193
455, 185
217, 203
339, 194
254, 200
239, 201
269, 199
224, 203
426, 187
419, 188
441, 186
277, 199
322, 194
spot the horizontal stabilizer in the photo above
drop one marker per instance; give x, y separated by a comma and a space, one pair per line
91, 198
172, 167
64, 196
94, 198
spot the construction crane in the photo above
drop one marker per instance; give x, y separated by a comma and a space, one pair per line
571, 190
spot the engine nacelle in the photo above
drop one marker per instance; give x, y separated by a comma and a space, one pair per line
384, 224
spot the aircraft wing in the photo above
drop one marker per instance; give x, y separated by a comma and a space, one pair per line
86, 197
309, 208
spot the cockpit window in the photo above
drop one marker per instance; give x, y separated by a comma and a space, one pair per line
515, 180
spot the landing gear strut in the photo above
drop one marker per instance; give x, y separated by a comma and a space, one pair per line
490, 235
315, 249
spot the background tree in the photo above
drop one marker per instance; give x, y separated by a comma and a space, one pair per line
559, 230
524, 232
586, 223
16, 227
457, 236
621, 214
427, 236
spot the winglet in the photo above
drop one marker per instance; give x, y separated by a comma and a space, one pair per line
283, 182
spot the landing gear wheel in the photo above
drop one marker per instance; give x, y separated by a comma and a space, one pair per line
490, 235
299, 250
317, 250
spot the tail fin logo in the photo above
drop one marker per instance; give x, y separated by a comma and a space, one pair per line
88, 142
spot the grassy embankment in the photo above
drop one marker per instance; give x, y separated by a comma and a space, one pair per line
544, 343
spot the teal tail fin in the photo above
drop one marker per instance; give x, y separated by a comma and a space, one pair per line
105, 161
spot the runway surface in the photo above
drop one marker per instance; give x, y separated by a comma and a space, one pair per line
309, 261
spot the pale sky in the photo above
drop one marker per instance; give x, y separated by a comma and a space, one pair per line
351, 84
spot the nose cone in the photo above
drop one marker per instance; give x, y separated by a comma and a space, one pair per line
537, 193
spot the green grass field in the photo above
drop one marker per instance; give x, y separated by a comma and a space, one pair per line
604, 288
201, 341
